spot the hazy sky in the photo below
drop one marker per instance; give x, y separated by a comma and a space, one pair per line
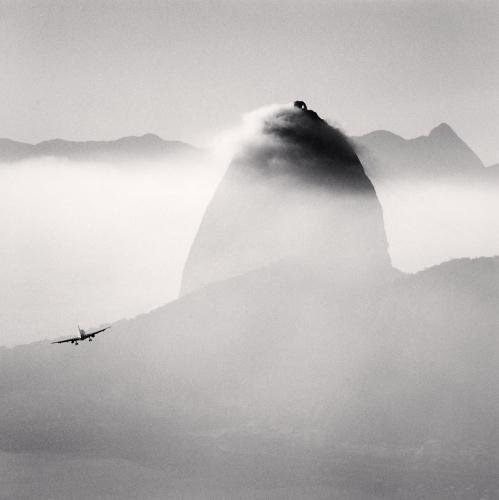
102, 69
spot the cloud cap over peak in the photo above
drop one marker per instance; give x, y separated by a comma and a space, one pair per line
312, 150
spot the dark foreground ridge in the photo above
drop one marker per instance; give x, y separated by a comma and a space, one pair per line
275, 384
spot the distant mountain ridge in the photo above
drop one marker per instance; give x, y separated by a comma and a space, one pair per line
148, 146
383, 153
442, 153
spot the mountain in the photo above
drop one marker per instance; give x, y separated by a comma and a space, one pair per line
14, 151
441, 154
148, 146
295, 191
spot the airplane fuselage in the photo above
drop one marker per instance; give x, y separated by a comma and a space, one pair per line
83, 336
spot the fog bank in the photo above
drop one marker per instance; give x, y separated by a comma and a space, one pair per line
92, 242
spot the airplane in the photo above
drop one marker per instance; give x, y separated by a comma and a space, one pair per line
82, 337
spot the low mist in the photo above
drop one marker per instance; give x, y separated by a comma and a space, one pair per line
91, 243
431, 222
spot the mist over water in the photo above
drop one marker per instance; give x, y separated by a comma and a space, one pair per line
431, 222
91, 243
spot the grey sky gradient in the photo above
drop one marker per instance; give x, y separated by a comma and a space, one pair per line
102, 69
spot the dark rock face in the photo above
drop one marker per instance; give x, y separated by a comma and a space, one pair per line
297, 191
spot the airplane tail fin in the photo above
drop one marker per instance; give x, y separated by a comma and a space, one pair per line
82, 332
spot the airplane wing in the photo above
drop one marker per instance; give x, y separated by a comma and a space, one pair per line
99, 331
66, 340
81, 339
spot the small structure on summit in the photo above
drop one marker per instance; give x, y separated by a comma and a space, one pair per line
300, 105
